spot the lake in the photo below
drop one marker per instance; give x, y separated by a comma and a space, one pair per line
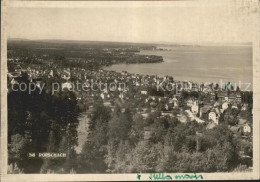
217, 64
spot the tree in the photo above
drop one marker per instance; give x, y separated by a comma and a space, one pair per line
100, 112
92, 158
119, 127
137, 130
118, 159
36, 115
159, 129
185, 95
237, 89
50, 164
144, 157
216, 87
230, 116
18, 154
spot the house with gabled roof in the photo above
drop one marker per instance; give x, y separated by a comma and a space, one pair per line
239, 98
232, 97
246, 129
214, 117
225, 106
213, 96
195, 108
222, 96
234, 105
174, 101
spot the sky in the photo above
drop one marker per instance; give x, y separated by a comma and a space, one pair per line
197, 23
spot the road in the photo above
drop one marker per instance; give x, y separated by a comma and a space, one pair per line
82, 131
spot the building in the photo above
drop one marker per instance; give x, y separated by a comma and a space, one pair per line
224, 106
174, 101
190, 102
244, 107
195, 108
239, 98
147, 133
121, 95
212, 96
234, 105
214, 117
102, 95
232, 97
246, 129
216, 104
222, 96
66, 85
144, 92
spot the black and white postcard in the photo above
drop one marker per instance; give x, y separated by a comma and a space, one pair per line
129, 90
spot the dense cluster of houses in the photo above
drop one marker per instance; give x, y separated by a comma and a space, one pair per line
114, 85
213, 112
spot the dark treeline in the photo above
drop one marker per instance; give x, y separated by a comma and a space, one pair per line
124, 142
41, 123
75, 44
121, 142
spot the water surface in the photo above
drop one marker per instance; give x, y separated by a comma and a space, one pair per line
198, 64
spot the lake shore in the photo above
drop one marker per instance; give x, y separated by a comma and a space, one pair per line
198, 64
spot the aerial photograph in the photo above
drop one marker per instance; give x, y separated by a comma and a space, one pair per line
130, 89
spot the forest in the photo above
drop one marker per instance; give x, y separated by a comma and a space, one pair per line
118, 141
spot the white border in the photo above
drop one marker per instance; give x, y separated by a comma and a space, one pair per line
119, 177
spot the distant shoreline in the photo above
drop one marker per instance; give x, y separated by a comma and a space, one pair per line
183, 69
158, 44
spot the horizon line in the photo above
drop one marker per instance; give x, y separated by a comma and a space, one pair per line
144, 42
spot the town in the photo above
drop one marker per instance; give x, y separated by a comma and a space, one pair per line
201, 103
150, 97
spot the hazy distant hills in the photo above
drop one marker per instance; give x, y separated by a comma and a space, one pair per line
85, 44
110, 44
